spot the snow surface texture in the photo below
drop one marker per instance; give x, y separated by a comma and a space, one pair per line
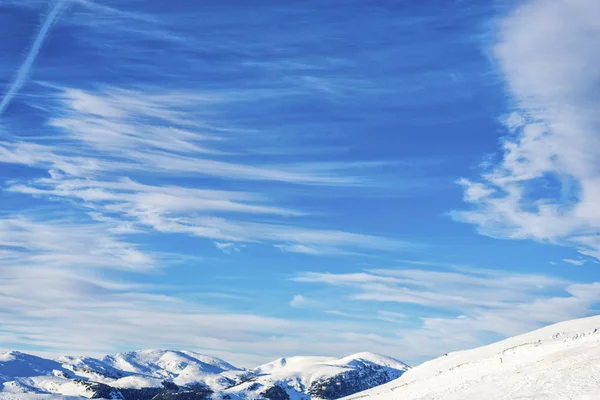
561, 361
128, 375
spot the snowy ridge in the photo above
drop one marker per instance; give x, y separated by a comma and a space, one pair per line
182, 367
90, 368
319, 377
166, 363
309, 369
561, 361
15, 363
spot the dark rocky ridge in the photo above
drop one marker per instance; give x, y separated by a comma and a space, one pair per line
351, 382
169, 391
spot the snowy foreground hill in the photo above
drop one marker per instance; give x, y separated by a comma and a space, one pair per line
560, 361
185, 375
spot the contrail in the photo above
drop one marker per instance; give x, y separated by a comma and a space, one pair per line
23, 72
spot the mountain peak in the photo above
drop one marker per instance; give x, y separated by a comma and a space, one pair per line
14, 354
373, 358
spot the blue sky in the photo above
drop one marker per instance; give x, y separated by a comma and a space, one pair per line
266, 178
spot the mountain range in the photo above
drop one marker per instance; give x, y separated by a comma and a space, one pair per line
169, 374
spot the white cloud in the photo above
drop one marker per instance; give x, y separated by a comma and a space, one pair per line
343, 279
133, 131
63, 243
390, 316
163, 131
461, 308
380, 315
211, 214
130, 198
338, 313
61, 289
574, 262
440, 290
227, 247
304, 249
298, 301
546, 185
104, 137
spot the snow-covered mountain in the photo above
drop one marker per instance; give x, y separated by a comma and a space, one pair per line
561, 361
180, 367
162, 374
27, 376
317, 377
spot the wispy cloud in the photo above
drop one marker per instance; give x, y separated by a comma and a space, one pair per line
104, 137
196, 212
573, 262
439, 289
180, 138
390, 316
22, 73
227, 247
137, 131
109, 149
545, 187
132, 127
135, 167
59, 244
75, 304
386, 316
462, 308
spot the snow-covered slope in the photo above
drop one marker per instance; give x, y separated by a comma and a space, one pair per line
166, 363
317, 377
91, 368
561, 361
24, 365
24, 376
